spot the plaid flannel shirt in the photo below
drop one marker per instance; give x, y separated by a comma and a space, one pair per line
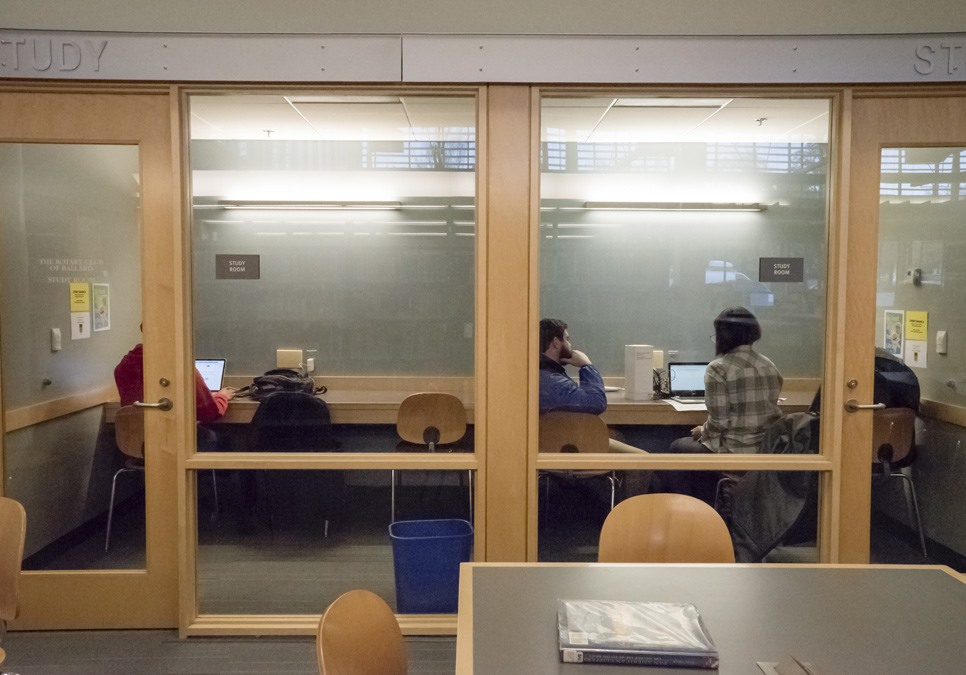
741, 391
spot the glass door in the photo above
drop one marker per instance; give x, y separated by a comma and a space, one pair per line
905, 298
85, 200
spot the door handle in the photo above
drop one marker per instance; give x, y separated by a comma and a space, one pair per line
162, 404
854, 406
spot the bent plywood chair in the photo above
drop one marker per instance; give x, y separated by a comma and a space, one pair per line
129, 437
571, 432
893, 442
664, 528
13, 526
431, 419
359, 635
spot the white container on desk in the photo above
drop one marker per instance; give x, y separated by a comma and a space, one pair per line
638, 372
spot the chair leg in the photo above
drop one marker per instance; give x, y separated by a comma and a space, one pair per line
612, 477
392, 481
214, 488
110, 509
915, 506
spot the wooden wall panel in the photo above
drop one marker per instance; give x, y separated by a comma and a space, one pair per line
507, 187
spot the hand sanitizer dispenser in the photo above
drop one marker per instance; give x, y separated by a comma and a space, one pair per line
638, 372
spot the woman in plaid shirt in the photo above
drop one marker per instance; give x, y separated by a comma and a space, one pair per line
741, 389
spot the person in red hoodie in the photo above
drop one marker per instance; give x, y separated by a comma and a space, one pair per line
129, 377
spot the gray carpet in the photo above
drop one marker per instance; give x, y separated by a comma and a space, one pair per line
156, 652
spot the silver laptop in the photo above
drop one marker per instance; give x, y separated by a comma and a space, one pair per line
687, 381
212, 371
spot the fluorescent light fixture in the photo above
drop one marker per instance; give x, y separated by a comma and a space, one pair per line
308, 206
342, 99
347, 205
673, 206
415, 234
672, 102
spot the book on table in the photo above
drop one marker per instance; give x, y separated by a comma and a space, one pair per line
634, 633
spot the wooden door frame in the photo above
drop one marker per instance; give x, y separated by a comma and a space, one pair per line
827, 465
880, 118
135, 116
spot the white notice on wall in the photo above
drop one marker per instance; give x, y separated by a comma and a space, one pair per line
916, 353
80, 325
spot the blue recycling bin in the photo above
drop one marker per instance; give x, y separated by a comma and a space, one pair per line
426, 558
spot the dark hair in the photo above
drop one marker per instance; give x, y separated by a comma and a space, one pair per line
734, 327
550, 329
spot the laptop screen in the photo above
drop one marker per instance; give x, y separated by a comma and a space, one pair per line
687, 379
213, 372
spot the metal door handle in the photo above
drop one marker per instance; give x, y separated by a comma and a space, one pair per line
162, 404
853, 406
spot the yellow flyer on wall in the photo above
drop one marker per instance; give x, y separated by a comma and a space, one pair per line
80, 297
916, 325
916, 331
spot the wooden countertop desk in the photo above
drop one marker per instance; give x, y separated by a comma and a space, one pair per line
379, 406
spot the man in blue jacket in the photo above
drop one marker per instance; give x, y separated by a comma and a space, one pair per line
558, 391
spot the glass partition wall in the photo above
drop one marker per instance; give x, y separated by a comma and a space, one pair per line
916, 506
656, 214
332, 235
70, 226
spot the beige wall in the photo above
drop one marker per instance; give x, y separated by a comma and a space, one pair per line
607, 17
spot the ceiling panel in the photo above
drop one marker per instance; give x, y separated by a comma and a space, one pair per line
246, 118
640, 120
345, 118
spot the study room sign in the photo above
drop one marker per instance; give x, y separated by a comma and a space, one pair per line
781, 269
236, 266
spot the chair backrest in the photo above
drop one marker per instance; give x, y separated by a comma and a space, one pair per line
291, 421
359, 635
895, 427
129, 431
13, 525
419, 414
573, 432
664, 528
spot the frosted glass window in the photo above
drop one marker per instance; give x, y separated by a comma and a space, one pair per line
922, 263
69, 214
361, 213
657, 212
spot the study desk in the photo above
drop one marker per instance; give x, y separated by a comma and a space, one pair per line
849, 620
380, 406
371, 406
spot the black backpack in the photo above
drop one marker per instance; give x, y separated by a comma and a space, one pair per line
282, 379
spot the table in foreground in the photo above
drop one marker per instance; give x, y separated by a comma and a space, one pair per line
849, 620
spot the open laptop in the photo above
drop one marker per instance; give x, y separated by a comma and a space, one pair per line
687, 381
213, 372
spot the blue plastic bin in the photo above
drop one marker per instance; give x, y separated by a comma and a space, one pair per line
426, 557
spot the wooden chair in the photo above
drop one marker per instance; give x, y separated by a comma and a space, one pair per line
129, 436
430, 420
359, 635
13, 525
893, 440
576, 432
664, 528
